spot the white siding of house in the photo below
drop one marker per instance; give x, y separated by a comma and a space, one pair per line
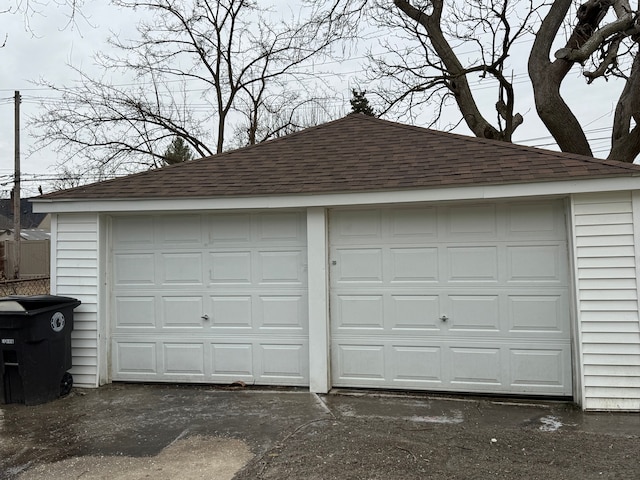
606, 270
75, 273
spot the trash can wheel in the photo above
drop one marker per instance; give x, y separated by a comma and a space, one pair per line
65, 384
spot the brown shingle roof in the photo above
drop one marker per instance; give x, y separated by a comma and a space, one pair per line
354, 154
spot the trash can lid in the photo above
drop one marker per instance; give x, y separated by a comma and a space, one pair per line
8, 305
26, 303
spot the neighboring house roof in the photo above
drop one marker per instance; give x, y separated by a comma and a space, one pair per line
353, 154
28, 219
27, 234
35, 234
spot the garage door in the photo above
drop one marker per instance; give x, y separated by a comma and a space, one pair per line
464, 298
210, 298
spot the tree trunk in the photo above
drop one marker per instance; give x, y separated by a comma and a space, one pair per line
457, 84
625, 142
546, 77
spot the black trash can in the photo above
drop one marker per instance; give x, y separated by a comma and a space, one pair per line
35, 348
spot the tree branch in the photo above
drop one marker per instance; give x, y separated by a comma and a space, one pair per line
621, 25
457, 80
546, 77
625, 141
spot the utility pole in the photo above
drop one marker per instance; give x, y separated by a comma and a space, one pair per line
16, 191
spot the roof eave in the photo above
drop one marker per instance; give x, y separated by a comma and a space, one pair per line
332, 199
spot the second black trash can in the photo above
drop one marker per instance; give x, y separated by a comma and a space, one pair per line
35, 348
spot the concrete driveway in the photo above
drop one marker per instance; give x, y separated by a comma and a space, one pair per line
126, 431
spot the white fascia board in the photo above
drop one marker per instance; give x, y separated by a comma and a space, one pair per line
486, 192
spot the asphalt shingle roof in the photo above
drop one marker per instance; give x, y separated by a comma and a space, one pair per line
356, 153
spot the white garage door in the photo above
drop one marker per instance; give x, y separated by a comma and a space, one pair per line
467, 298
210, 298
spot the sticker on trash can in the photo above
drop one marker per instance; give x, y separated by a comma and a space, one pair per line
8, 341
57, 322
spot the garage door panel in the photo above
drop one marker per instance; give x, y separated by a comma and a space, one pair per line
474, 366
230, 267
413, 224
473, 313
183, 359
182, 312
536, 368
356, 225
283, 362
234, 360
433, 364
358, 312
536, 264
414, 265
180, 231
134, 269
280, 228
415, 312
282, 313
281, 267
471, 222
359, 362
538, 219
181, 268
473, 264
136, 312
538, 313
233, 311
417, 364
132, 358
130, 232
230, 230
358, 265
227, 360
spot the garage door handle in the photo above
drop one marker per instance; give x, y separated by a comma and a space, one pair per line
205, 317
444, 318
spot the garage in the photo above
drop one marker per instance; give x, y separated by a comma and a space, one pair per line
213, 298
462, 298
360, 253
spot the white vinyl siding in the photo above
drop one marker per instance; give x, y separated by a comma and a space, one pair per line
75, 273
606, 276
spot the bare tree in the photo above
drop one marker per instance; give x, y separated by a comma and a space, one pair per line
427, 68
120, 129
598, 46
267, 116
30, 8
190, 73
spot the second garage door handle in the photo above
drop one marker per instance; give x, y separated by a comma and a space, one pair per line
444, 318
205, 317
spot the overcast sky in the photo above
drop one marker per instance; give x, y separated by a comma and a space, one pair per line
43, 49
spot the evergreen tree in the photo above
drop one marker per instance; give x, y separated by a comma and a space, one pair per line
360, 103
177, 152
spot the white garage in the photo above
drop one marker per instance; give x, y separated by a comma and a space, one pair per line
211, 298
470, 298
361, 254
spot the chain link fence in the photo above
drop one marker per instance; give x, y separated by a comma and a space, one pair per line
30, 286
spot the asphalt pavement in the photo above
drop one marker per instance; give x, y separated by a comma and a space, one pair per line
135, 431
